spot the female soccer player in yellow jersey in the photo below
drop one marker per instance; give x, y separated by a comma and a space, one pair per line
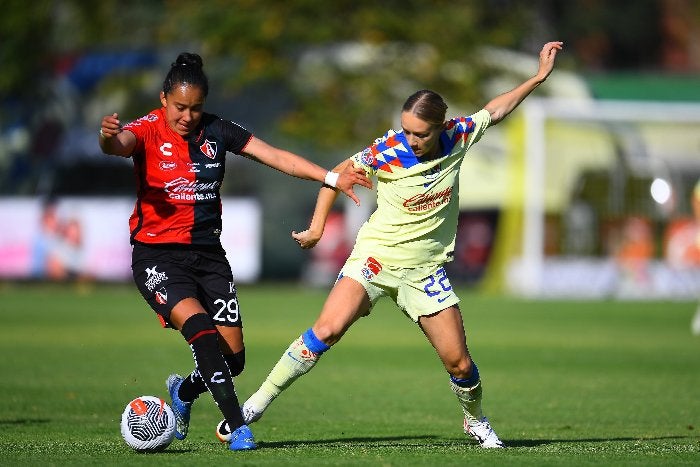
400, 251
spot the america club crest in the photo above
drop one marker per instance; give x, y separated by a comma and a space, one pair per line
371, 268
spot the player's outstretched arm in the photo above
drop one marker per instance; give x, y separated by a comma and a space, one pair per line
297, 166
326, 197
501, 106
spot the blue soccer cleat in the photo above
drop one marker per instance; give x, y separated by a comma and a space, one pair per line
242, 439
180, 409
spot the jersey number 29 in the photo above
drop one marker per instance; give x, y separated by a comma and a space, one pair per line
227, 310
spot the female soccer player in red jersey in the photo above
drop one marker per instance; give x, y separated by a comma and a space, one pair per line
179, 153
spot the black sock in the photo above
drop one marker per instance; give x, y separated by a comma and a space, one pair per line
236, 362
193, 385
201, 335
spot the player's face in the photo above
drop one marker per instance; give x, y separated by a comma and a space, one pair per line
184, 106
422, 136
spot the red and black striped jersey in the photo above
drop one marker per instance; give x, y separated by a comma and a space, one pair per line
179, 178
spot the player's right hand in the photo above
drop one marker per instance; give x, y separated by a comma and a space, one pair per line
351, 176
110, 126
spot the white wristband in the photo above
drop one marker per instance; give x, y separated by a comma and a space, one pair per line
331, 178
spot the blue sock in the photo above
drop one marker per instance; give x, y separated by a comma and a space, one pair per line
467, 382
314, 344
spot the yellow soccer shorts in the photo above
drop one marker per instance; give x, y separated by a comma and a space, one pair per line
417, 291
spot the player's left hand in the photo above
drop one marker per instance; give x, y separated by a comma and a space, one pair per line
111, 126
306, 239
547, 56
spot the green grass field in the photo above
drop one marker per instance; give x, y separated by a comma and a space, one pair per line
566, 383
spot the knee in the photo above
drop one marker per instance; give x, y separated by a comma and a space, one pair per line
461, 368
236, 362
326, 333
198, 326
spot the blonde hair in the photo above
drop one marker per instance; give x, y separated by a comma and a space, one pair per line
426, 105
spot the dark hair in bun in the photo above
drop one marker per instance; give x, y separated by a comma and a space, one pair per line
188, 70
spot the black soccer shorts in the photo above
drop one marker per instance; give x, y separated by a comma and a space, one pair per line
166, 274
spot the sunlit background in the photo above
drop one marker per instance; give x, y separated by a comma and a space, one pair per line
585, 191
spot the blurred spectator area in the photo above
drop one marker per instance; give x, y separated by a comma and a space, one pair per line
643, 158
596, 182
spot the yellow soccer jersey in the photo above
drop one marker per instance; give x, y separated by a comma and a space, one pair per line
417, 201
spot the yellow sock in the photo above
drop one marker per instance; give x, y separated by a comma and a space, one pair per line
297, 360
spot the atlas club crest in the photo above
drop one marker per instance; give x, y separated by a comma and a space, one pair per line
208, 148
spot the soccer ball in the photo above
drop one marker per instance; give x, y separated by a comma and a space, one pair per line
223, 432
148, 424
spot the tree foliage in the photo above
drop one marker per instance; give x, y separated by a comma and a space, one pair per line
24, 48
350, 64
344, 66
303, 47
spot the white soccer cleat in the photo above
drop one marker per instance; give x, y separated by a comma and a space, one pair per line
483, 433
251, 413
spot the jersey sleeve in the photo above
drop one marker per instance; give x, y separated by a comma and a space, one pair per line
141, 128
235, 136
482, 120
463, 132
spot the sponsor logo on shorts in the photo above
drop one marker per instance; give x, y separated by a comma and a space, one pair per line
371, 268
154, 278
162, 296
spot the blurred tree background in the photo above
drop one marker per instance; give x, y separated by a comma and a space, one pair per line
338, 68
320, 78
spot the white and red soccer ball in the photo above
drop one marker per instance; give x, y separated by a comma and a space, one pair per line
148, 424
